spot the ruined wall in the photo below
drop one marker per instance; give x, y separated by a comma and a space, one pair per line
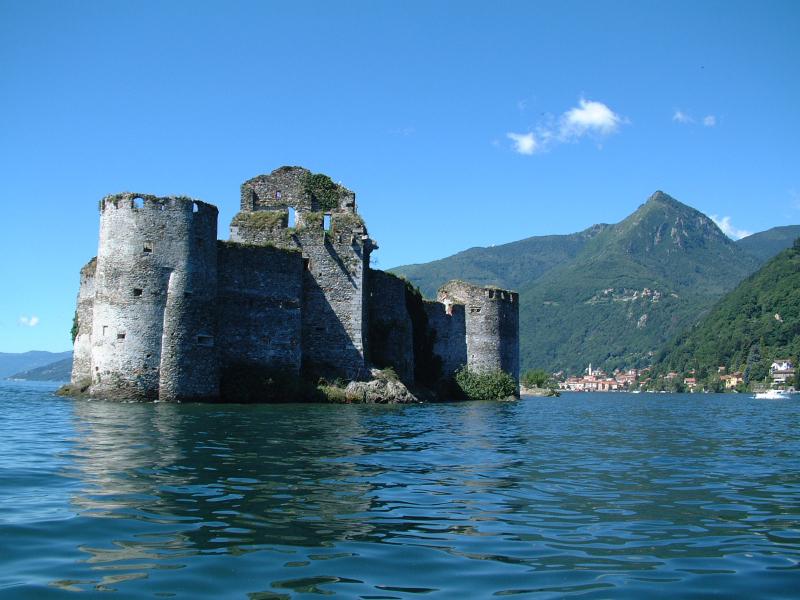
260, 296
82, 347
492, 325
334, 311
155, 293
391, 342
449, 335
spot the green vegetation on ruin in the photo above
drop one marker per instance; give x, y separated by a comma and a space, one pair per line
262, 220
75, 326
322, 190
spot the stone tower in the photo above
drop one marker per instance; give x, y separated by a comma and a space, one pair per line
492, 325
153, 313
292, 208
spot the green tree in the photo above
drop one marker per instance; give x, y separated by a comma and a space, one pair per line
536, 378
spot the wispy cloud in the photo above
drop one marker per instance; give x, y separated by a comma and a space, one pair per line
590, 118
709, 121
681, 117
724, 223
524, 143
31, 321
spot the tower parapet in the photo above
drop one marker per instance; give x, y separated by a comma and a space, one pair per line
492, 325
155, 292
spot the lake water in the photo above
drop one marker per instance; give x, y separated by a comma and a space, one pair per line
586, 496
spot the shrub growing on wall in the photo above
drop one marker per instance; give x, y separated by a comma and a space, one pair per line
491, 385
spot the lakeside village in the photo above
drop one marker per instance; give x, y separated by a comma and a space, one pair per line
781, 376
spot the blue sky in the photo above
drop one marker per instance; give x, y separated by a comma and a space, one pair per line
457, 124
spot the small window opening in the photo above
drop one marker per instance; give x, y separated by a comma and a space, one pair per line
205, 340
326, 222
490, 293
307, 264
187, 294
121, 336
147, 248
105, 330
195, 207
278, 195
138, 203
474, 309
292, 217
137, 292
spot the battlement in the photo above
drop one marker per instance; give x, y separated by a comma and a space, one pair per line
132, 201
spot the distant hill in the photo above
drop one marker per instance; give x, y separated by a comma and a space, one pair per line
508, 266
58, 371
11, 363
612, 294
753, 325
631, 289
767, 244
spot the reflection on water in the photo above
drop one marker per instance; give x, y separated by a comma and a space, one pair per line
584, 495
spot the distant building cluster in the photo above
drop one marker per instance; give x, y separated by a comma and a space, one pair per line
596, 380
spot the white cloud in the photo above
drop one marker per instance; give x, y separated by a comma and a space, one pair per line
589, 117
724, 223
31, 321
682, 117
709, 121
524, 143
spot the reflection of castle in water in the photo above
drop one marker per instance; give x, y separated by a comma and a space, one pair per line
203, 479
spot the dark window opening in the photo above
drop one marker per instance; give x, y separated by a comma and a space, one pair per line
187, 294
292, 217
120, 336
307, 264
147, 248
137, 292
105, 330
195, 207
138, 203
475, 309
326, 222
205, 340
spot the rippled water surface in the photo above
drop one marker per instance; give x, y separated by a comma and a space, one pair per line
587, 495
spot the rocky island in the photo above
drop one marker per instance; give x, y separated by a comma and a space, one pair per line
168, 312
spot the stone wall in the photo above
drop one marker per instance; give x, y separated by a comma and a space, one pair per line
449, 335
391, 342
155, 292
82, 350
492, 325
259, 307
336, 259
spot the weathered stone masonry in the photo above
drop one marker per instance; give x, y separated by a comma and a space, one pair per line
165, 309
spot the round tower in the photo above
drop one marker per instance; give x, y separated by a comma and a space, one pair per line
155, 293
492, 325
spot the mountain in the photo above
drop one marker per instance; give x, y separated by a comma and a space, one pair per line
508, 266
753, 325
766, 244
631, 288
11, 363
58, 371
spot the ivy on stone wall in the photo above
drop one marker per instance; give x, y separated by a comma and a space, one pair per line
75, 326
323, 190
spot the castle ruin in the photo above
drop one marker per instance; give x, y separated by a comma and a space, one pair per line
165, 309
